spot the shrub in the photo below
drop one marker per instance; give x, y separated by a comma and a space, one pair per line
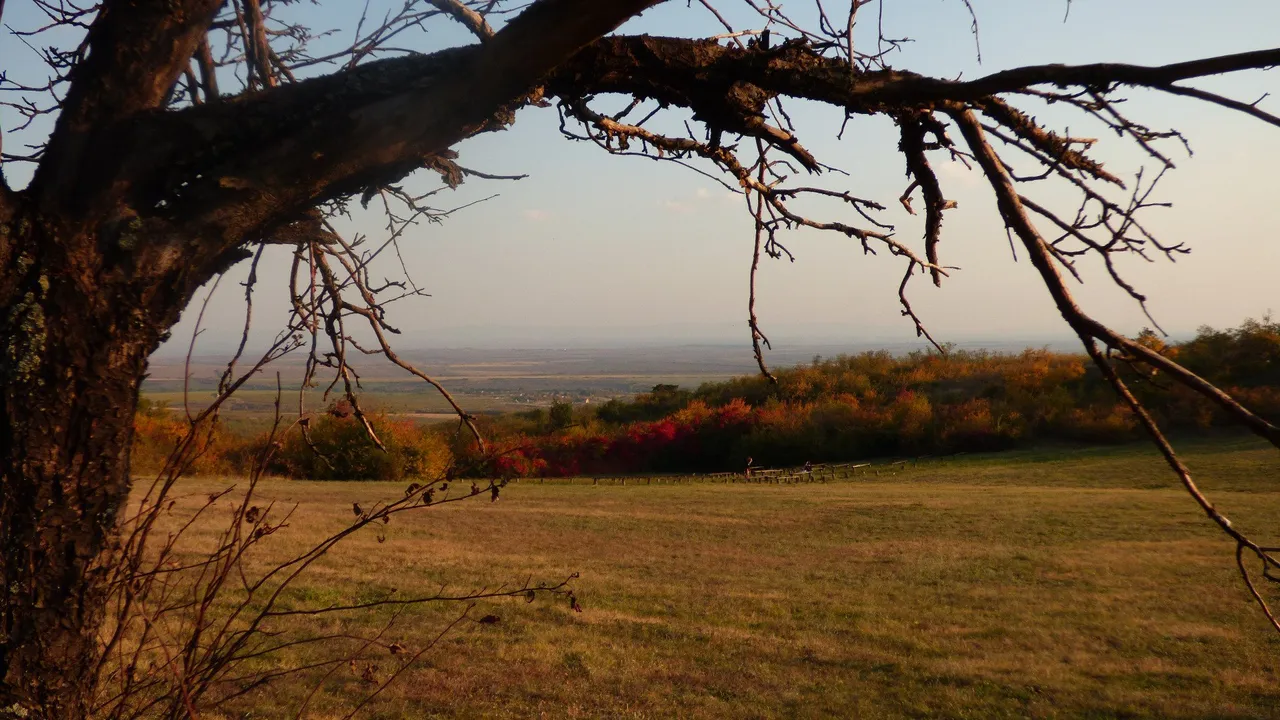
157, 431
561, 415
347, 453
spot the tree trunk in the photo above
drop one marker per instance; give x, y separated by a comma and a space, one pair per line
74, 351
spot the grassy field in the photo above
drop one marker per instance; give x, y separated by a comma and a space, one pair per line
1067, 583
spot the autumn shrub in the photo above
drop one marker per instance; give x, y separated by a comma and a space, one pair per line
340, 449
974, 426
157, 430
1100, 425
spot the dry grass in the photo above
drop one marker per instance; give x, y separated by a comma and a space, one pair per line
1051, 584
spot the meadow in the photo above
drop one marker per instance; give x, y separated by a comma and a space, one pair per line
1056, 583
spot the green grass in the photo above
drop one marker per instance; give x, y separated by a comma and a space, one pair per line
1057, 584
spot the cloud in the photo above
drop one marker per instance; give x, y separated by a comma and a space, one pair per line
956, 172
536, 215
700, 197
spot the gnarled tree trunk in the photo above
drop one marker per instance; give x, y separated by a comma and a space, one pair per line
75, 344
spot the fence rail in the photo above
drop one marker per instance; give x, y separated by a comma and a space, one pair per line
818, 473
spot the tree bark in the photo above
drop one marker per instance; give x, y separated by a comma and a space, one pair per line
73, 357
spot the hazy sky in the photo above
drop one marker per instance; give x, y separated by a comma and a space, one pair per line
593, 248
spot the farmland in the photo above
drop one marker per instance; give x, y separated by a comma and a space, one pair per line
484, 380
1047, 583
489, 380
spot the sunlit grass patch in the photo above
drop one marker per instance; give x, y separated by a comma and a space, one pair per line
1081, 585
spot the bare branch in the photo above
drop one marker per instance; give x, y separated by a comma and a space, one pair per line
1089, 330
473, 20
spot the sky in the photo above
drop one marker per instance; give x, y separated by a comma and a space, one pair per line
592, 249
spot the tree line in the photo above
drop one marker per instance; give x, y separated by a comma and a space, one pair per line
848, 407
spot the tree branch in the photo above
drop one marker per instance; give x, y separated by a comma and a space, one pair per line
136, 52
675, 70
473, 20
1015, 216
228, 172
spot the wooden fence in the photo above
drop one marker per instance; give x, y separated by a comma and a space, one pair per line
824, 473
